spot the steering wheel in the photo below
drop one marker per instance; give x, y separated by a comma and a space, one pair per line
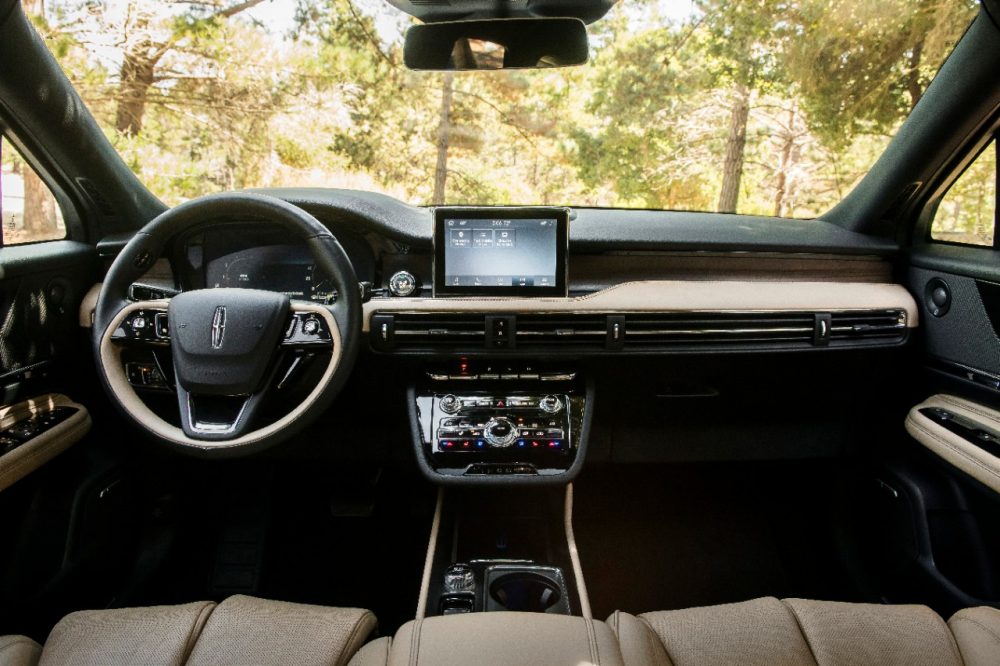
226, 343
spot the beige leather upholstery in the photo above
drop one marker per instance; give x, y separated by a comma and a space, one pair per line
796, 631
245, 630
241, 630
977, 631
151, 635
375, 653
19, 651
504, 639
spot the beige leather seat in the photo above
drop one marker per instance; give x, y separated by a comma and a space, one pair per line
241, 630
796, 631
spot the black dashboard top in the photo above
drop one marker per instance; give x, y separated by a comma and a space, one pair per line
597, 229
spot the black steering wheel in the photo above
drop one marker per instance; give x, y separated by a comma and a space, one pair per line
226, 343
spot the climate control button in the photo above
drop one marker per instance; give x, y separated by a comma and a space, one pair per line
500, 432
450, 404
551, 404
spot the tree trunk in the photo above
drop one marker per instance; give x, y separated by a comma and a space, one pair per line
135, 80
732, 166
39, 207
781, 187
138, 70
443, 138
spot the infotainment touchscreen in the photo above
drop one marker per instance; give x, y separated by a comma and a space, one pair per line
500, 251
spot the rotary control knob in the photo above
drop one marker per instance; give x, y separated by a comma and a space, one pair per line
450, 404
311, 326
551, 404
500, 432
402, 283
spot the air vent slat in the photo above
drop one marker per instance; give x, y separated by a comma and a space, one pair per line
430, 331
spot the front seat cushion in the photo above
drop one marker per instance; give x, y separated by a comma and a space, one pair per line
241, 630
246, 630
797, 632
150, 635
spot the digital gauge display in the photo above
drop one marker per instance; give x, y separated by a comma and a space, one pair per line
288, 269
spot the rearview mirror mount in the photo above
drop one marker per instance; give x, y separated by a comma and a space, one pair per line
510, 43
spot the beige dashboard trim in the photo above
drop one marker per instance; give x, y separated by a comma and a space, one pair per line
115, 371
89, 305
679, 296
34, 453
953, 449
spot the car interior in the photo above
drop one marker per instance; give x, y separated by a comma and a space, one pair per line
327, 425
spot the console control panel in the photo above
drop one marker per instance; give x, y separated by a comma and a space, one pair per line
488, 433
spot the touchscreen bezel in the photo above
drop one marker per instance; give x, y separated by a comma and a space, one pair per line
560, 215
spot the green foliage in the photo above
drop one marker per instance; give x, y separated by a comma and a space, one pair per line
324, 100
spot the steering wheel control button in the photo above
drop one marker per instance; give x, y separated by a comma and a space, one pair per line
402, 283
550, 404
311, 326
500, 432
138, 323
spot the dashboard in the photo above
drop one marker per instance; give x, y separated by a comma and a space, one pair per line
545, 280
695, 308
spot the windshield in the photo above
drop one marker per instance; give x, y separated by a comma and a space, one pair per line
773, 107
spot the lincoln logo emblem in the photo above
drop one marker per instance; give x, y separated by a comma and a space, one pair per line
218, 326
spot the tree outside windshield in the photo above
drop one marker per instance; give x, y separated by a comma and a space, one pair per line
773, 107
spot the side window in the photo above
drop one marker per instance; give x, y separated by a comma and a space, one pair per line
27, 208
968, 212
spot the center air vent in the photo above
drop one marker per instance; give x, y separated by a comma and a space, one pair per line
698, 329
569, 331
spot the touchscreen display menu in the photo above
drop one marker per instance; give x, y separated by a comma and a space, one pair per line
488, 251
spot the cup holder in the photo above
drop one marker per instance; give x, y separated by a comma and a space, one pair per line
525, 591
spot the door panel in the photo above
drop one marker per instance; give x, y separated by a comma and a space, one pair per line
41, 286
951, 554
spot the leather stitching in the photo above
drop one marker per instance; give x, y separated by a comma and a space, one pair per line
651, 636
18, 641
592, 638
195, 632
415, 641
350, 646
992, 634
992, 416
968, 457
802, 631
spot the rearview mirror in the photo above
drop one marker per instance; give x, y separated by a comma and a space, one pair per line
514, 43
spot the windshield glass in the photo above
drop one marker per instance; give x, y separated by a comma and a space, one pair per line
773, 107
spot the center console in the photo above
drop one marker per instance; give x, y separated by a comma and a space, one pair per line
490, 430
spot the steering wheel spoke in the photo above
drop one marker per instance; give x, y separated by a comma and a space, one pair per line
146, 324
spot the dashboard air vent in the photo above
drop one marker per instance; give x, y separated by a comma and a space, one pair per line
718, 329
868, 325
565, 331
429, 331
